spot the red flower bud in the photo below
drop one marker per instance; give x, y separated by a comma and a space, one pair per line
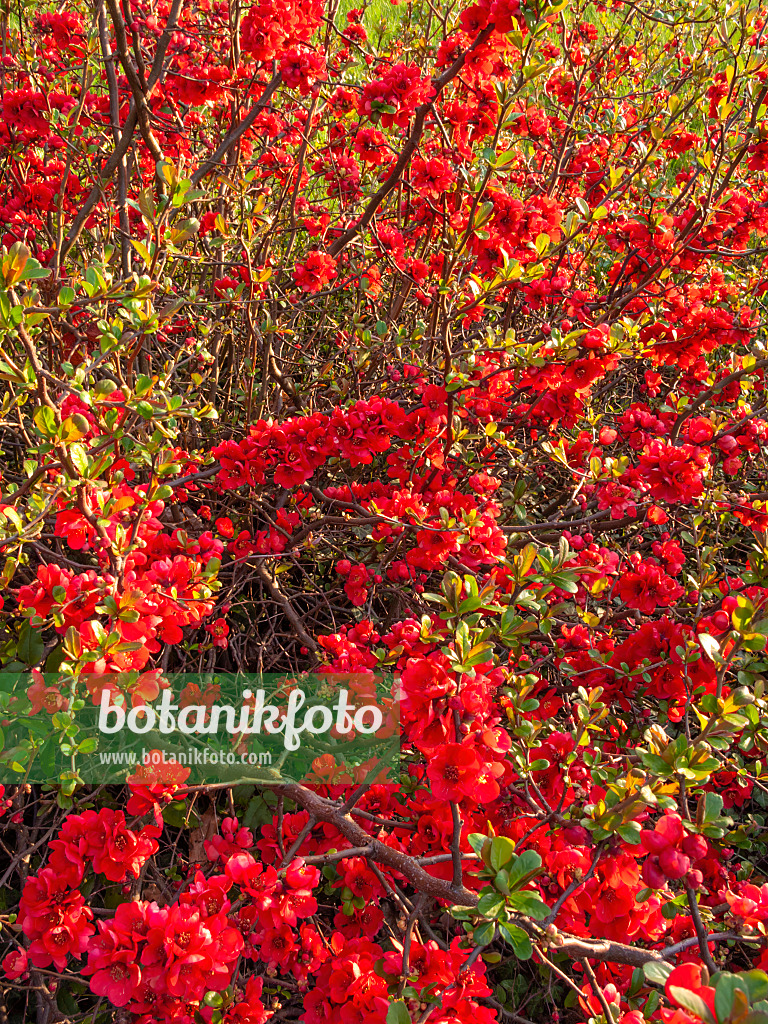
695, 847
673, 863
652, 874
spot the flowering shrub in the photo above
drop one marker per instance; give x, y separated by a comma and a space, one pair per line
427, 340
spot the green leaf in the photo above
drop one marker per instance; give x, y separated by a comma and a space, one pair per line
259, 813
503, 159
518, 939
524, 868
713, 807
30, 647
45, 421
691, 1002
657, 972
655, 763
743, 613
398, 1013
529, 904
502, 852
33, 271
484, 933
79, 458
142, 250
565, 581
757, 984
66, 1001
175, 814
630, 832
490, 905
479, 654
477, 841
725, 991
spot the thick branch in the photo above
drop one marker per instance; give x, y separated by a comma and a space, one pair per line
328, 811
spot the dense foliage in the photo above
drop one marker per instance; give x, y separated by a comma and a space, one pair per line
416, 338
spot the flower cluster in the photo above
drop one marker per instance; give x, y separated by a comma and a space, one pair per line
428, 347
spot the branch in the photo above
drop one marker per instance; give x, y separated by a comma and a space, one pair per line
280, 598
126, 136
438, 84
614, 952
330, 812
701, 931
702, 398
575, 884
144, 115
234, 134
594, 985
456, 844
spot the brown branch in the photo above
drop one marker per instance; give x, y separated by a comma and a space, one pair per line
438, 84
234, 134
114, 117
279, 597
594, 985
143, 112
701, 931
458, 874
330, 812
705, 395
126, 136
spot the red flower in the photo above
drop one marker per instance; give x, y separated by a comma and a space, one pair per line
750, 904
301, 67
232, 839
317, 270
15, 965
361, 881
225, 527
454, 772
219, 630
432, 178
277, 946
673, 474
55, 917
647, 588
117, 981
45, 697
690, 978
